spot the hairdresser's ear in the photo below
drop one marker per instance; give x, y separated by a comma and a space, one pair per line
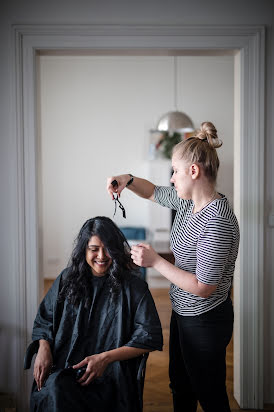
195, 171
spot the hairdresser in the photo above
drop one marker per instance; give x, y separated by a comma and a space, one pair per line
204, 240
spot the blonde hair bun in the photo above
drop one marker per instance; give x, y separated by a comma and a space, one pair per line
208, 132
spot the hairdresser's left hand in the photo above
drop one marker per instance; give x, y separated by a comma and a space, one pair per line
144, 255
96, 365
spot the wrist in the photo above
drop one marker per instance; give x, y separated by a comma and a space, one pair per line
107, 357
158, 262
130, 180
44, 344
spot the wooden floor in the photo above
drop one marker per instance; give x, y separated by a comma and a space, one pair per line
157, 396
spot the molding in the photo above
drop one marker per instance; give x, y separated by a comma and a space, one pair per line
234, 30
19, 261
250, 40
139, 36
27, 292
252, 218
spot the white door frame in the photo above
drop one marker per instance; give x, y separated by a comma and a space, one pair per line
250, 41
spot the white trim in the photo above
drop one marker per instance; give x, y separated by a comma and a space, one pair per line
236, 205
250, 41
252, 217
20, 266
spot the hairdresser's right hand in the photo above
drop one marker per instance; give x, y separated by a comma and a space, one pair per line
42, 364
121, 182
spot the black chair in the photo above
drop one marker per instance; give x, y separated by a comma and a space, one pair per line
33, 347
141, 373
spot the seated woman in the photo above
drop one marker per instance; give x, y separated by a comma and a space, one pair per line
98, 316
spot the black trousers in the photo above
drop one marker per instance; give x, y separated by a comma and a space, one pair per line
197, 368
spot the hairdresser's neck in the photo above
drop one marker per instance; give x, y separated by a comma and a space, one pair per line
203, 193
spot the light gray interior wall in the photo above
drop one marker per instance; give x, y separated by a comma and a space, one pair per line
118, 12
8, 221
96, 114
142, 12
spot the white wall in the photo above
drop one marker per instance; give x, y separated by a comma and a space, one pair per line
181, 12
96, 112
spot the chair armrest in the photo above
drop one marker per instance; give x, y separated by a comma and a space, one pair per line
142, 367
31, 350
141, 371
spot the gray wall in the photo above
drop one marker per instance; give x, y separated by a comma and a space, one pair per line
118, 12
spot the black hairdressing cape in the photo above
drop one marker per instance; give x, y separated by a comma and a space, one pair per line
76, 332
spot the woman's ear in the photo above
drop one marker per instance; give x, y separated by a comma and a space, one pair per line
195, 171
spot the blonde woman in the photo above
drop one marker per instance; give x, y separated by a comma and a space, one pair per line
204, 240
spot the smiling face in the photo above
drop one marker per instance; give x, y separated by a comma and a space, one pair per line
97, 257
182, 177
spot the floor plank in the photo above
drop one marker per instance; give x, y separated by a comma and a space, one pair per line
157, 397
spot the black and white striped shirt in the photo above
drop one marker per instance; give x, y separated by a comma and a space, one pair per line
206, 244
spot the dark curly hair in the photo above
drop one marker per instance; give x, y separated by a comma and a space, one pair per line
77, 284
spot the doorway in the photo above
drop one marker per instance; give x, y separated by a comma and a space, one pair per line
95, 112
250, 42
